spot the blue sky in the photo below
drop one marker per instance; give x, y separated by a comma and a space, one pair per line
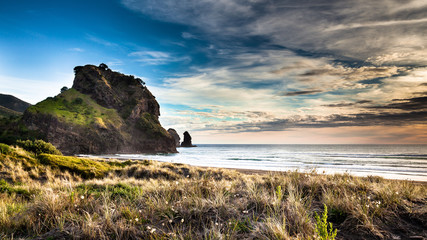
237, 71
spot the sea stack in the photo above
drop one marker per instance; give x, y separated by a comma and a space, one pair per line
105, 112
175, 135
187, 140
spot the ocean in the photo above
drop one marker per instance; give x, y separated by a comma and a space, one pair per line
389, 161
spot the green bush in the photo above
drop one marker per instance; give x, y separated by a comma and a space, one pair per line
5, 149
38, 147
86, 168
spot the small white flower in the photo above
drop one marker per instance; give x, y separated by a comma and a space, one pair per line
216, 224
140, 211
369, 197
82, 197
136, 219
397, 193
163, 224
245, 211
176, 182
170, 221
188, 176
152, 230
182, 220
148, 227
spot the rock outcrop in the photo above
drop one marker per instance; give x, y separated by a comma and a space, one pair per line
187, 140
175, 136
104, 112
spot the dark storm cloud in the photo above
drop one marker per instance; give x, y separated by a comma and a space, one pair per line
362, 119
296, 93
417, 103
348, 104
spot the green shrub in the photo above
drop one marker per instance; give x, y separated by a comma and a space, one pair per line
38, 147
77, 101
6, 188
323, 228
5, 149
86, 168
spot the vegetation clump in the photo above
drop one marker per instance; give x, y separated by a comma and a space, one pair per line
84, 167
150, 125
324, 228
38, 147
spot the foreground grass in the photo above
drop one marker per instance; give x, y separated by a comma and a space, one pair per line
56, 197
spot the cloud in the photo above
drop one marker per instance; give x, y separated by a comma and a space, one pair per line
296, 93
363, 119
416, 103
100, 41
187, 35
156, 57
346, 29
76, 49
347, 104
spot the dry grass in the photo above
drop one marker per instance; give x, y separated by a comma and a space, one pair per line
153, 200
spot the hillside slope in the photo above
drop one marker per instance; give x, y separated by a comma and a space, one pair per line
13, 103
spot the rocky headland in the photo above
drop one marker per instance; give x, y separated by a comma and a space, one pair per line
104, 112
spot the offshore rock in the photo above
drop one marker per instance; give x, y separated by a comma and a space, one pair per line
187, 140
104, 112
175, 136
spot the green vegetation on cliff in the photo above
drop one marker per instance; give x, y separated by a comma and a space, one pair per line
149, 124
74, 107
7, 113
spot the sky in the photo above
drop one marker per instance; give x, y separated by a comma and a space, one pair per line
238, 71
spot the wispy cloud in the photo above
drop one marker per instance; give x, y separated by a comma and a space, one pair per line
76, 49
156, 57
187, 35
100, 41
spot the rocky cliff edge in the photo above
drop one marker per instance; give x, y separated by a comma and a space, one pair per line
104, 112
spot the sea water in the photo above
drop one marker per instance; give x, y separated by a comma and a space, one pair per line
389, 161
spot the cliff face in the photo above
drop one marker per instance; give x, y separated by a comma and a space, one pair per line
104, 112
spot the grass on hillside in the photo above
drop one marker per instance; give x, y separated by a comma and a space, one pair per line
74, 107
51, 197
7, 113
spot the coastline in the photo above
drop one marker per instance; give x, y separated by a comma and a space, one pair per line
267, 172
402, 162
